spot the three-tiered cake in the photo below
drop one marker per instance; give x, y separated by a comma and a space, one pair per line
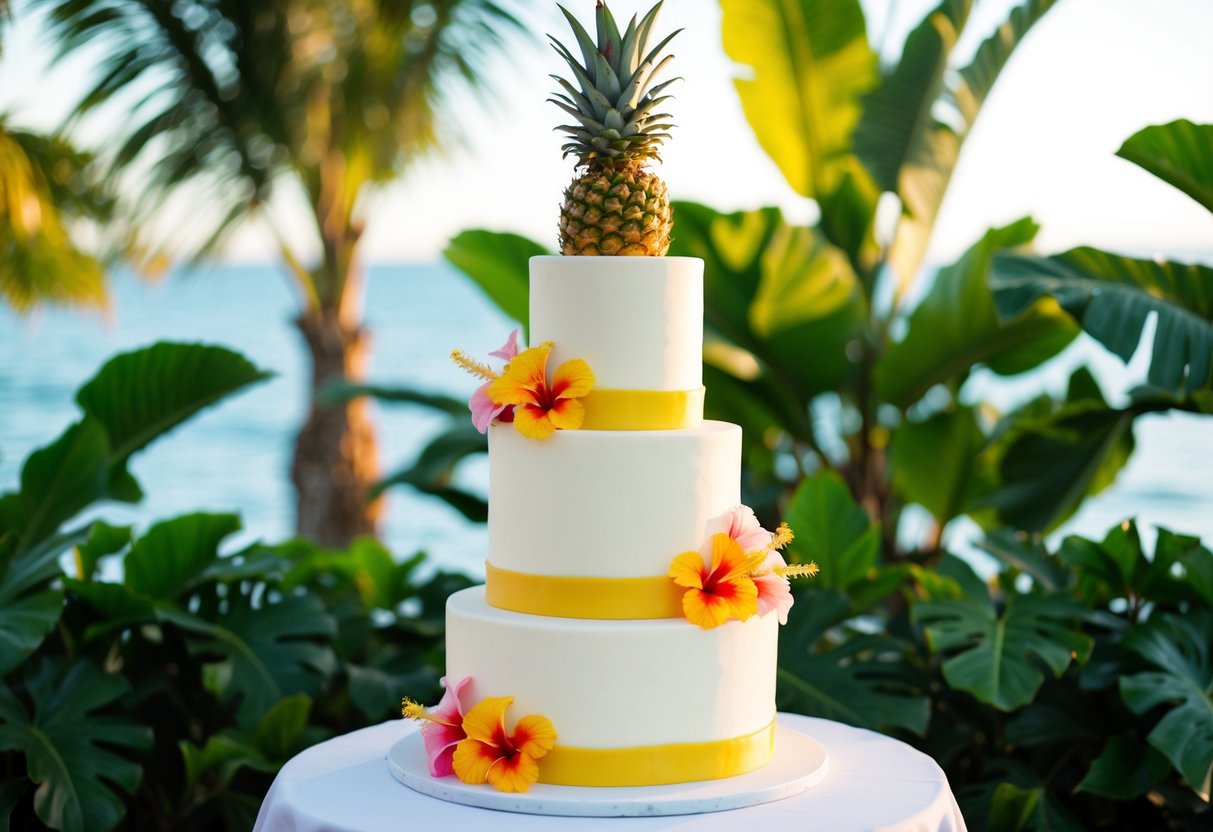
579, 619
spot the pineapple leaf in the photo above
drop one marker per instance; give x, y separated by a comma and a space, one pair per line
645, 29
627, 48
605, 78
609, 42
587, 83
582, 102
636, 90
589, 51
588, 121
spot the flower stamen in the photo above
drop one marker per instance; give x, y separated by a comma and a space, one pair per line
472, 366
798, 570
782, 536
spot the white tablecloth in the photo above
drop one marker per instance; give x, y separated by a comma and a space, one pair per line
874, 783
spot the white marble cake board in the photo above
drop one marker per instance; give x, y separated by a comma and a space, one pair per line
800, 763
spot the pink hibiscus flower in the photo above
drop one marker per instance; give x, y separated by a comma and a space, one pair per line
740, 524
443, 725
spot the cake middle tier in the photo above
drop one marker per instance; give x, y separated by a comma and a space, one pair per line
607, 504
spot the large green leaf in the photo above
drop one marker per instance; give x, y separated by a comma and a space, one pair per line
172, 555
1015, 808
1180, 647
1051, 456
991, 654
277, 737
25, 619
863, 682
1118, 567
927, 173
833, 531
431, 473
1180, 153
781, 294
956, 326
806, 64
891, 134
934, 462
103, 540
498, 263
1125, 769
69, 749
145, 393
58, 481
264, 652
1112, 296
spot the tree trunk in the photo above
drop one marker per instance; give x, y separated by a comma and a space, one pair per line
336, 454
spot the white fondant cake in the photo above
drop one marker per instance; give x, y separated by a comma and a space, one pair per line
636, 693
607, 504
637, 321
615, 684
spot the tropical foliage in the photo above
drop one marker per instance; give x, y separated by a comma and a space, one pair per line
231, 110
46, 187
159, 680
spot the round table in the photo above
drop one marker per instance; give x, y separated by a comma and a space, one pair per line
875, 782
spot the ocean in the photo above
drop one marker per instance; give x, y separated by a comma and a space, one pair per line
236, 456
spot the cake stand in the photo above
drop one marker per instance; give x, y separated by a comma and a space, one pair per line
800, 762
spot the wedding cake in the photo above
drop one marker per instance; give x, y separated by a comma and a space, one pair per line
626, 633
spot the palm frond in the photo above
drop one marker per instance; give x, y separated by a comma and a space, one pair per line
47, 188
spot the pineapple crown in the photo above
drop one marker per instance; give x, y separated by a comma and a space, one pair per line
614, 100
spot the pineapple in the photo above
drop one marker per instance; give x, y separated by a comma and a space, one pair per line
614, 206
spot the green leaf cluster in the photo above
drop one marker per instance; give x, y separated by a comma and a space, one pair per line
159, 679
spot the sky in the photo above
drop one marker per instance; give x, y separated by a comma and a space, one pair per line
1090, 74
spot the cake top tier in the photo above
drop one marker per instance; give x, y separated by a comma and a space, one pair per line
637, 321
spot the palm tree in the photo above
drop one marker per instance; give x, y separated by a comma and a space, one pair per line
46, 187
227, 103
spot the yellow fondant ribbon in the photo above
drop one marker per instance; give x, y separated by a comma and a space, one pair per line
607, 409
568, 597
657, 765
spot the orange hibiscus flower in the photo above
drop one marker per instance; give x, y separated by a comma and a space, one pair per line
542, 408
720, 591
490, 755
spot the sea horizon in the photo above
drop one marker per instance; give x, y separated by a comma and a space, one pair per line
236, 457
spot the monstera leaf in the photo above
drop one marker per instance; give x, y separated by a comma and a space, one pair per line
858, 683
807, 65
956, 326
1179, 646
263, 652
996, 656
70, 751
1111, 297
1179, 153
499, 264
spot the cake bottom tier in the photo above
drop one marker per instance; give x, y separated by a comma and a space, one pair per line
633, 702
